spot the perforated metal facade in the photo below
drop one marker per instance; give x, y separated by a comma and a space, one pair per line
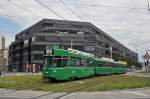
29, 44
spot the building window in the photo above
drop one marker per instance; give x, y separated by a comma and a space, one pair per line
99, 43
51, 39
25, 57
76, 26
107, 52
72, 32
38, 47
37, 57
33, 38
80, 32
106, 45
114, 49
26, 41
89, 48
48, 24
89, 38
48, 31
80, 48
47, 39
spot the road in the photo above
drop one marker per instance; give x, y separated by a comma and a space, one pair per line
140, 93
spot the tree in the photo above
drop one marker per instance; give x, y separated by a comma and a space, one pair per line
130, 62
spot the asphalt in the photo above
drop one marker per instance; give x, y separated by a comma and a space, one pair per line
140, 93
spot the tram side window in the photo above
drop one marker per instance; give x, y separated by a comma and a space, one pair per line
117, 65
79, 62
59, 61
108, 64
64, 61
113, 64
76, 62
89, 63
84, 63
99, 64
104, 64
73, 61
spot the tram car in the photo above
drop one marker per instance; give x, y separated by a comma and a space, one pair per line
61, 64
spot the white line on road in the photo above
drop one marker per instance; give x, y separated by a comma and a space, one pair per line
138, 93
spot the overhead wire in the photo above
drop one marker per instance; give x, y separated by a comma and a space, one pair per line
49, 9
69, 8
29, 11
114, 6
62, 2
100, 5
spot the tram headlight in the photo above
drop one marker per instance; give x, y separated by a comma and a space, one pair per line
49, 51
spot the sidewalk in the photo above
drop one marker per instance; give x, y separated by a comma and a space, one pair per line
17, 73
138, 73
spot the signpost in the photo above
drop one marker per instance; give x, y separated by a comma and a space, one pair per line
147, 58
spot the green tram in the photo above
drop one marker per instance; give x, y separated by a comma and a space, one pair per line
61, 64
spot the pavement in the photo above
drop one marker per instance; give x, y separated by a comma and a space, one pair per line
138, 73
140, 93
17, 73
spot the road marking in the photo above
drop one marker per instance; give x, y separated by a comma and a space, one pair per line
8, 92
2, 90
138, 93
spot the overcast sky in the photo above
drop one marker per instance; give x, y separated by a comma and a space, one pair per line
128, 21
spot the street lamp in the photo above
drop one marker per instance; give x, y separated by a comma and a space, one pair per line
146, 58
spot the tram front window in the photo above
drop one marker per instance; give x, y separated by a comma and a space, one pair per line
48, 61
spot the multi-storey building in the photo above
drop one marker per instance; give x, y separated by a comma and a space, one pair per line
29, 44
2, 42
3, 59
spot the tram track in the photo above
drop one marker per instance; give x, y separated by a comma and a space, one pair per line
56, 91
76, 90
68, 92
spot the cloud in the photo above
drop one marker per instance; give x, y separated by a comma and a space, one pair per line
125, 20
